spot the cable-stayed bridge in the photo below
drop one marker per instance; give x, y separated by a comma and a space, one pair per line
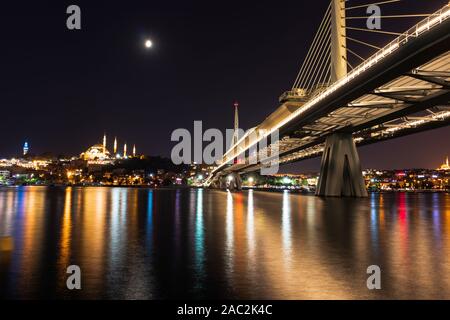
333, 106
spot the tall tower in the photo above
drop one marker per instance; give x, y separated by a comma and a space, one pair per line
115, 145
134, 150
104, 143
25, 148
340, 168
236, 123
125, 150
338, 41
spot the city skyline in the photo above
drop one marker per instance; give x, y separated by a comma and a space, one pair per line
222, 158
142, 94
371, 156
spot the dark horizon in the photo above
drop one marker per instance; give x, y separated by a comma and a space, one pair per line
61, 90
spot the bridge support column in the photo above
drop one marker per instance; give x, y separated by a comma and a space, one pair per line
222, 182
234, 181
231, 181
340, 172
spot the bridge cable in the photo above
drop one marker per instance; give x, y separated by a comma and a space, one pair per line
372, 4
391, 33
394, 16
317, 53
364, 43
317, 65
316, 39
313, 48
324, 61
355, 54
375, 31
312, 64
323, 76
318, 46
348, 63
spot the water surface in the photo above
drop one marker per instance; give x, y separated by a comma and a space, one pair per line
199, 243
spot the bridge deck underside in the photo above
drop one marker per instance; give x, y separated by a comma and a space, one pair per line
415, 101
402, 89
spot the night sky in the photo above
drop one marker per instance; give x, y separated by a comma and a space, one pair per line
61, 89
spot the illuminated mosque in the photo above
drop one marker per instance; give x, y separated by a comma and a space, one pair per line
445, 165
99, 154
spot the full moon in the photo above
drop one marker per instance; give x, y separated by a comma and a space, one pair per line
148, 43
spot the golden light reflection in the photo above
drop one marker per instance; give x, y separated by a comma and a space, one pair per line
65, 241
32, 201
132, 213
6, 212
381, 217
115, 222
311, 211
266, 244
446, 211
446, 235
93, 235
117, 241
251, 228
239, 228
229, 229
286, 226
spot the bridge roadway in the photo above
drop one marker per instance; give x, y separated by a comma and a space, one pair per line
404, 88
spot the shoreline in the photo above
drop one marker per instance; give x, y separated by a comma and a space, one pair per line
294, 191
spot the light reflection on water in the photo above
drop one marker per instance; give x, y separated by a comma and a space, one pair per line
195, 243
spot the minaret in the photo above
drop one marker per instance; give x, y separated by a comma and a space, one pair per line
125, 150
104, 143
236, 123
115, 145
134, 150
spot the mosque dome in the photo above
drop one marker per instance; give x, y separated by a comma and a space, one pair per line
445, 165
96, 152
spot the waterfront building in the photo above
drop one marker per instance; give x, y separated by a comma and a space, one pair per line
444, 166
97, 152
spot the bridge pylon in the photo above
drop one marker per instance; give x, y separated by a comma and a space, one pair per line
340, 172
231, 181
338, 40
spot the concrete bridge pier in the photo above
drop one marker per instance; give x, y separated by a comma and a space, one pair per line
340, 172
232, 181
221, 183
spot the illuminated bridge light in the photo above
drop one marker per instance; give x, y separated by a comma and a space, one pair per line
419, 29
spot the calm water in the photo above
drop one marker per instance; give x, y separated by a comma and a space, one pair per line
154, 244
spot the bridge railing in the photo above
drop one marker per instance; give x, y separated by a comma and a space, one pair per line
420, 28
